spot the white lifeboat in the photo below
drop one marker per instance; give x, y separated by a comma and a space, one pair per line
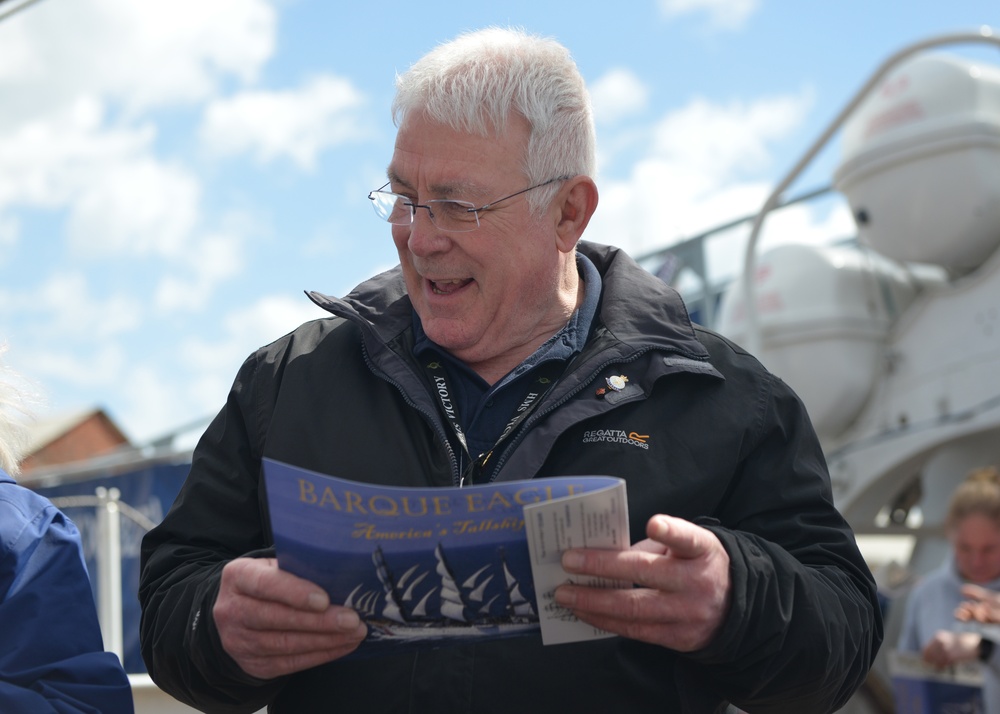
823, 315
921, 163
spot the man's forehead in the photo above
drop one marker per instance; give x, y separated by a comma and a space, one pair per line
450, 184
434, 157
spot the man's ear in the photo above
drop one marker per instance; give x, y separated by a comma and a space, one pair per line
573, 206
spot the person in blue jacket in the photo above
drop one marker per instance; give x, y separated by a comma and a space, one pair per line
52, 657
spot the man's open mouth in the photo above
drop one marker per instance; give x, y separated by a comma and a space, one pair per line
447, 287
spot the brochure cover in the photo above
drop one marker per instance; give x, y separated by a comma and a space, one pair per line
428, 566
919, 688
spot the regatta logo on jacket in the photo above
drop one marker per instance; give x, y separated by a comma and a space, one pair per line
616, 436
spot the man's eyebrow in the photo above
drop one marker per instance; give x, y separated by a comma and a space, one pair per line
457, 189
395, 178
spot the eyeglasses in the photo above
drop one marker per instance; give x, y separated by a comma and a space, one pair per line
446, 214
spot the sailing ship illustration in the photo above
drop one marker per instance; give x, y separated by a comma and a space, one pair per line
435, 603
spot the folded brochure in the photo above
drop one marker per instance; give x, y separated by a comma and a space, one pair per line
428, 566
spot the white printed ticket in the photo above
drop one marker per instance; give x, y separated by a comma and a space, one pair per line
595, 519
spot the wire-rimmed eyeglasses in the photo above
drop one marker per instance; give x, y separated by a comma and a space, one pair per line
446, 214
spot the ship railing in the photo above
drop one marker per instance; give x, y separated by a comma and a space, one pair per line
108, 581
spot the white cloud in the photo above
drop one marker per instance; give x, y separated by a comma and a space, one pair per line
45, 162
135, 206
296, 124
121, 199
723, 14
271, 317
138, 54
67, 307
243, 331
178, 50
18, 54
10, 231
122, 202
722, 141
101, 366
617, 94
212, 259
144, 385
706, 165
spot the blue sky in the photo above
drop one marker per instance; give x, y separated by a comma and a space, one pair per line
174, 175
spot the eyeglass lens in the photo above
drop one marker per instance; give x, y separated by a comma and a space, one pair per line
447, 215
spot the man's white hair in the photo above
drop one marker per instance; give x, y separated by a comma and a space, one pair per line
476, 82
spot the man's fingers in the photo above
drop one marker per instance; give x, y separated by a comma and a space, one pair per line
977, 593
644, 614
680, 539
261, 579
683, 538
634, 566
288, 642
278, 616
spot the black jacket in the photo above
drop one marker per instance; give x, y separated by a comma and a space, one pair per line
728, 446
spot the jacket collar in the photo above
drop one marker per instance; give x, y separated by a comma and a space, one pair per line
637, 309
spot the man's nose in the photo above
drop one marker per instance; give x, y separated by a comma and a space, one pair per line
425, 238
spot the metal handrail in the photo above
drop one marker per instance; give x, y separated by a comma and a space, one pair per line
130, 512
752, 338
14, 7
109, 511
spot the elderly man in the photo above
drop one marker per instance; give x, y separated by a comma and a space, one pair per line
749, 588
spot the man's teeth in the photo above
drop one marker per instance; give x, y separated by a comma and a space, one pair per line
443, 287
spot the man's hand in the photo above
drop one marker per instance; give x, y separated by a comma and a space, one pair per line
683, 593
948, 648
982, 605
274, 623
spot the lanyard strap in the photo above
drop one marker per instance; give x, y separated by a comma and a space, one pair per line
545, 377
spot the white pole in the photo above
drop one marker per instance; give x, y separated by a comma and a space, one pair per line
109, 570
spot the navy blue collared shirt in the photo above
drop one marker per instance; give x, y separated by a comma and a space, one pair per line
484, 411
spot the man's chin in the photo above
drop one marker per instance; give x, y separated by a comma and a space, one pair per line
445, 333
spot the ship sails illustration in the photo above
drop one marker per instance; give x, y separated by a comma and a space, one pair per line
434, 602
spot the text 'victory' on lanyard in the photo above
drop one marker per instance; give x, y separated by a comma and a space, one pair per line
543, 381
